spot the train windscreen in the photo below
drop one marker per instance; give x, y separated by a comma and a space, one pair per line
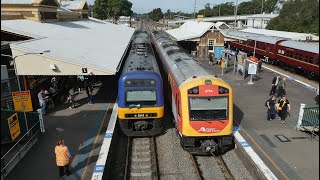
209, 108
141, 98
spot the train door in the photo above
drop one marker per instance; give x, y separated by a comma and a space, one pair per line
178, 108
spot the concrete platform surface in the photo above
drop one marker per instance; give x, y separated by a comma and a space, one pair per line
80, 127
297, 159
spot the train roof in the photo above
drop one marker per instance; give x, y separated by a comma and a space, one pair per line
141, 56
309, 47
181, 64
245, 36
282, 34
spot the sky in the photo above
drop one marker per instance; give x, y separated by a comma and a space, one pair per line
145, 6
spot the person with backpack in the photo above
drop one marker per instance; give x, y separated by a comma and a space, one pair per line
271, 105
283, 108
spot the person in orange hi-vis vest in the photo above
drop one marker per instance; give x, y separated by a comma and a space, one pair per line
63, 157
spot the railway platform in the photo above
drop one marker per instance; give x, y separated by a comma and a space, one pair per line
296, 158
82, 128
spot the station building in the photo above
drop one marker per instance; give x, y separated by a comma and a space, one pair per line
57, 38
200, 37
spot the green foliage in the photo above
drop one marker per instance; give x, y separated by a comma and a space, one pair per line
171, 15
250, 7
297, 16
156, 14
104, 9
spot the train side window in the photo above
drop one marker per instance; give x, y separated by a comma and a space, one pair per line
311, 59
282, 52
279, 51
178, 105
178, 108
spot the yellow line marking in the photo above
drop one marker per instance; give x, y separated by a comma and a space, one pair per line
95, 141
269, 158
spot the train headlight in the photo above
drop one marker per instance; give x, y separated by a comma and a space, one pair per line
223, 90
128, 82
208, 82
194, 90
152, 82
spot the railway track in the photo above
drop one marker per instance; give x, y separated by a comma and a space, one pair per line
211, 167
141, 159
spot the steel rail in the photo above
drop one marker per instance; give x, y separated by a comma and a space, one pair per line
225, 168
196, 167
127, 160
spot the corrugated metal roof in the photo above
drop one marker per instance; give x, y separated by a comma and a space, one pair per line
282, 34
230, 18
63, 9
92, 42
309, 47
190, 30
72, 5
245, 36
16, 1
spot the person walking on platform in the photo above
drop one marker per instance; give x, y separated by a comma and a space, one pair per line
42, 100
63, 157
71, 97
89, 90
283, 108
271, 104
210, 59
259, 65
275, 82
282, 87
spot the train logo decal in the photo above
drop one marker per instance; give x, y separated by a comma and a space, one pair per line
208, 130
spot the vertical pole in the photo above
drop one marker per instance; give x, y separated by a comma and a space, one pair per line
250, 82
254, 50
219, 10
194, 10
302, 106
261, 13
22, 102
41, 121
235, 14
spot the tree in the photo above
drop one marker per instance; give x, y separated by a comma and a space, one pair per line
104, 9
304, 18
156, 14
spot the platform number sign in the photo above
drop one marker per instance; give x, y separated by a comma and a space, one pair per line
84, 70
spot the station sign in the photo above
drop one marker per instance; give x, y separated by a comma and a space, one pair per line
14, 127
252, 69
26, 98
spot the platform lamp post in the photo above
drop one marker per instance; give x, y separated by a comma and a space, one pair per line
194, 10
18, 80
261, 13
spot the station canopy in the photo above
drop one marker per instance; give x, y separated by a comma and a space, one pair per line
76, 47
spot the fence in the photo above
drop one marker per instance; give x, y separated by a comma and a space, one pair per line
308, 119
13, 151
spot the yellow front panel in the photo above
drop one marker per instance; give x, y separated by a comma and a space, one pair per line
123, 111
187, 130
